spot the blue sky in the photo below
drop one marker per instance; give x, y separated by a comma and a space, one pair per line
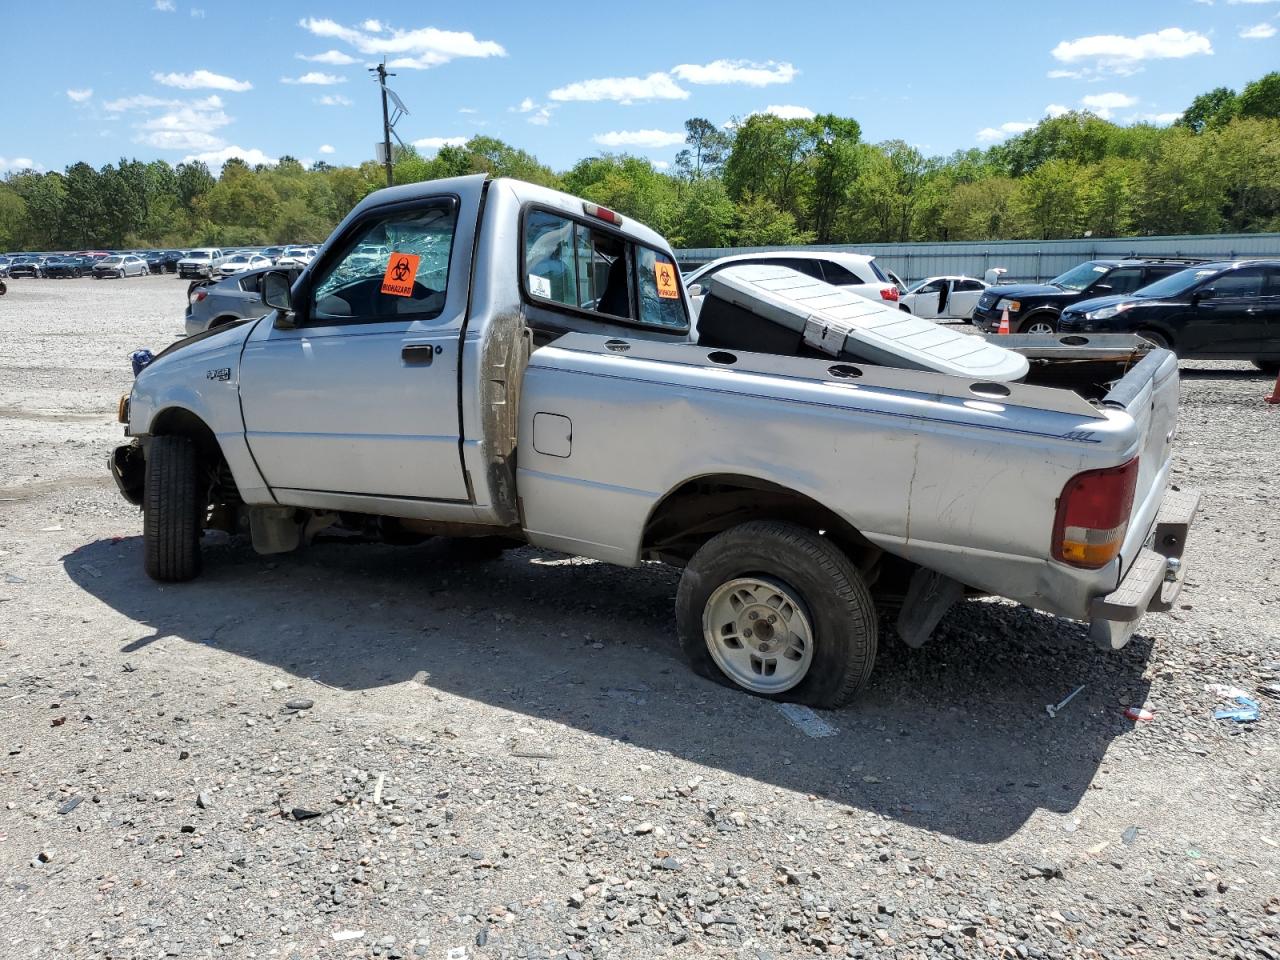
176, 79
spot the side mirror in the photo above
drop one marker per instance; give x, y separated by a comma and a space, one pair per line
697, 290
1204, 293
276, 294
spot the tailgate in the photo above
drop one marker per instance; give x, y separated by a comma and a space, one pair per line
1149, 394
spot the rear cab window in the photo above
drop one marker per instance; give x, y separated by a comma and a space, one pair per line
588, 270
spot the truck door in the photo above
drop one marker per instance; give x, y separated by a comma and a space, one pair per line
1228, 316
361, 398
964, 298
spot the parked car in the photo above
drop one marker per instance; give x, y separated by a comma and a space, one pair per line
296, 257
4, 266
154, 259
1035, 307
214, 304
29, 265
121, 266
943, 298
853, 271
273, 253
198, 263
1216, 311
68, 266
809, 463
241, 262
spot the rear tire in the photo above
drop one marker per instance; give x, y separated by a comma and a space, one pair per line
173, 510
819, 653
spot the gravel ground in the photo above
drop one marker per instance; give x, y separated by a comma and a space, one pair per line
367, 751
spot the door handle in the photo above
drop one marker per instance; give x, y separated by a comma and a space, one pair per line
418, 353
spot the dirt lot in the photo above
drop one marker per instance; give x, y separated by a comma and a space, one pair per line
510, 759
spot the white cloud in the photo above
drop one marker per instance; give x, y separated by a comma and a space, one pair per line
467, 110
541, 111
1259, 31
412, 49
197, 12
1056, 110
660, 165
335, 58
788, 111
542, 116
175, 124
202, 80
656, 86
651, 139
80, 96
326, 148
334, 100
435, 143
1159, 119
167, 6
736, 71
1251, 2
315, 78
1105, 104
16, 164
1113, 53
216, 158
1007, 129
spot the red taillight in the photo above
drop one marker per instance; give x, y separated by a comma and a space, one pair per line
889, 293
1093, 515
601, 213
200, 295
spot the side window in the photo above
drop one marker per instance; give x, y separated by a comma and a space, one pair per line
570, 263
250, 283
1124, 280
1238, 283
396, 265
839, 275
968, 286
934, 287
810, 268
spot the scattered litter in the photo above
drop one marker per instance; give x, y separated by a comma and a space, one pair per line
128, 667
1097, 848
1269, 689
302, 813
806, 721
377, 789
56, 528
1224, 691
1247, 711
1269, 842
70, 805
13, 578
57, 721
301, 703
1129, 836
1054, 710
341, 935
457, 953
1139, 713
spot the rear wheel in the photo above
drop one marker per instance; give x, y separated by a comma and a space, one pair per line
173, 510
777, 610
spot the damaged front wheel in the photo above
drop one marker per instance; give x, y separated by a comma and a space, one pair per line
173, 509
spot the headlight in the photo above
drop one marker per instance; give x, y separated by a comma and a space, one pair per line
1013, 306
1106, 313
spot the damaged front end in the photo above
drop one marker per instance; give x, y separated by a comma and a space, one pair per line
128, 465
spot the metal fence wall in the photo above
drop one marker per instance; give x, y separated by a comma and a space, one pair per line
1024, 259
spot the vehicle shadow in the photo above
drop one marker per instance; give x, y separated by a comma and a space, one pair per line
1201, 373
952, 738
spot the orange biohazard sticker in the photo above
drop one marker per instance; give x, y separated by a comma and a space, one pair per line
665, 274
402, 268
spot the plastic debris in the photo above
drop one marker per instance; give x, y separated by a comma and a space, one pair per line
1247, 711
341, 935
140, 360
1053, 710
1139, 713
1224, 691
806, 721
1129, 836
457, 953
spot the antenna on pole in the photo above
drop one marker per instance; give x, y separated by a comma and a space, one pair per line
389, 120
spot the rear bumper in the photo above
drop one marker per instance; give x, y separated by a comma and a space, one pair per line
1154, 579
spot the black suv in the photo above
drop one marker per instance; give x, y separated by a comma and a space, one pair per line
1214, 311
1035, 307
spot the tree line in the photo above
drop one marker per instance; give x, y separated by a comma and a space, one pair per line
761, 181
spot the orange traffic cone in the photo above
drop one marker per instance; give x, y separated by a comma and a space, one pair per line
1275, 392
1004, 321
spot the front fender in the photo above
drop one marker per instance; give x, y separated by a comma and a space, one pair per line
201, 376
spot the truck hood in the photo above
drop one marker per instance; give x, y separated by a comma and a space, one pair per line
218, 340
1097, 303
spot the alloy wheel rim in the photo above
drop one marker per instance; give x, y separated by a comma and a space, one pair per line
759, 634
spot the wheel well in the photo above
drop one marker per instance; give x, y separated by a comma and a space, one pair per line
1164, 335
223, 320
179, 422
904, 308
698, 509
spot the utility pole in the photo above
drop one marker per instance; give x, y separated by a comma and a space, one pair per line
381, 71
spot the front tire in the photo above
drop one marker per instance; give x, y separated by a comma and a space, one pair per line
1159, 339
173, 510
1043, 325
779, 611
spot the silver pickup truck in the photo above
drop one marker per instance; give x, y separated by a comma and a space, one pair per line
524, 366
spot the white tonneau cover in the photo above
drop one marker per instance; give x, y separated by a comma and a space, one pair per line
838, 322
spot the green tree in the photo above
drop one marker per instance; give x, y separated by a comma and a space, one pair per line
706, 149
984, 209
1260, 100
761, 223
1210, 110
1051, 197
704, 215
